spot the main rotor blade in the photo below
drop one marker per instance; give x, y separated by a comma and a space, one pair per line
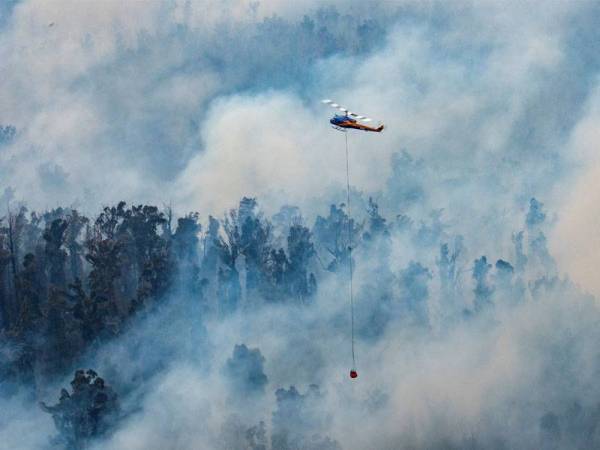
346, 111
330, 102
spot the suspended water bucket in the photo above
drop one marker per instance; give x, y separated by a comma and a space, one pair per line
353, 374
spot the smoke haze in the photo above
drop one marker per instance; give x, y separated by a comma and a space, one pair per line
487, 107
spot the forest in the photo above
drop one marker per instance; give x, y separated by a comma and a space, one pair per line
71, 284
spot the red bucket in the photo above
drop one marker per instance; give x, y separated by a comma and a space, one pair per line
353, 374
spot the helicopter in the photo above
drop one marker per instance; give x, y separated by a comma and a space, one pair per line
350, 120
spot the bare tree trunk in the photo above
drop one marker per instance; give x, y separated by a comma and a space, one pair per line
12, 308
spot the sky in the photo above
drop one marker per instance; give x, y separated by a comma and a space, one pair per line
197, 104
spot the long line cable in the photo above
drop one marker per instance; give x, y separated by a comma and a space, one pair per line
350, 252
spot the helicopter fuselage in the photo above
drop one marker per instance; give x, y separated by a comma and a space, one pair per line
349, 122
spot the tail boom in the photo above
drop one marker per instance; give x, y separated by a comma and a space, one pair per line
359, 126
